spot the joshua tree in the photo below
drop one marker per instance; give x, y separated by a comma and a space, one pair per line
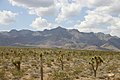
17, 64
41, 65
61, 60
95, 63
2, 55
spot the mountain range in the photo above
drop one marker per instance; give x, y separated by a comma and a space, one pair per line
60, 38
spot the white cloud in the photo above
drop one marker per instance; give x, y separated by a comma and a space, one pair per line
99, 22
7, 17
38, 7
115, 31
41, 24
69, 9
98, 3
103, 17
49, 11
32, 3
114, 8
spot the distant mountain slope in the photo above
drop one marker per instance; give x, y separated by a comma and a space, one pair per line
60, 37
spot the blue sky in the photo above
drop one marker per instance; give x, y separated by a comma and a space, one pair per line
84, 15
22, 20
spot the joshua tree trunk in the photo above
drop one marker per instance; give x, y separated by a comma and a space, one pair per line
41, 67
61, 61
61, 64
94, 73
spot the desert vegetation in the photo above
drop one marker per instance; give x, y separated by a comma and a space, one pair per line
58, 64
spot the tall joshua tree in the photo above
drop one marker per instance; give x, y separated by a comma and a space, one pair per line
41, 65
95, 63
61, 56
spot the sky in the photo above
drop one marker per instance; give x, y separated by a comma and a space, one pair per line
84, 15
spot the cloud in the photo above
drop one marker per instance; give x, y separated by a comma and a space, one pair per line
112, 9
103, 16
41, 24
93, 22
7, 17
38, 7
63, 9
32, 3
69, 9
49, 11
98, 3
115, 31
99, 22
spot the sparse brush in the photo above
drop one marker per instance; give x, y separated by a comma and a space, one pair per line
95, 63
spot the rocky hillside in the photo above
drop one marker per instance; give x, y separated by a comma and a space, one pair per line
60, 37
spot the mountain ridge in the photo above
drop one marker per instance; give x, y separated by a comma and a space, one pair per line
61, 38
